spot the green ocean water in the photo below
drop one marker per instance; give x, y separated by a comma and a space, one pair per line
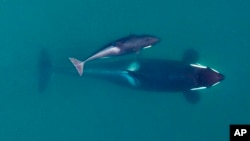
73, 109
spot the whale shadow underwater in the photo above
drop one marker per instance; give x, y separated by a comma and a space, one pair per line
156, 75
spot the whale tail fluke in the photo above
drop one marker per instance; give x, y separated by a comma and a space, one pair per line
79, 65
44, 70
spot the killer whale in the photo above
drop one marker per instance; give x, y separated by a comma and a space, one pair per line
126, 45
156, 75
161, 75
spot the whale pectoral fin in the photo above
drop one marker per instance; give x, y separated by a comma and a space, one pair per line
190, 56
134, 66
130, 79
192, 97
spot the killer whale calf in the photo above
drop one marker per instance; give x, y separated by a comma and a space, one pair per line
156, 75
130, 44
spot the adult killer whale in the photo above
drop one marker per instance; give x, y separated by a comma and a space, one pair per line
157, 75
126, 45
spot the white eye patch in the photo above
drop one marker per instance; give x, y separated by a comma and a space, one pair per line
199, 88
215, 83
214, 70
148, 46
198, 66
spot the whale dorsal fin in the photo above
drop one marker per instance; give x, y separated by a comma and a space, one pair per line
190, 56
